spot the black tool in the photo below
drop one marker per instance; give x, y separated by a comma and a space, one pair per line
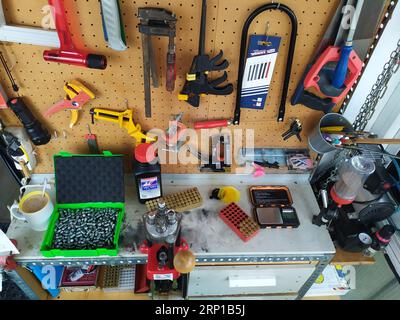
267, 164
157, 22
197, 82
295, 129
220, 158
293, 38
37, 133
8, 71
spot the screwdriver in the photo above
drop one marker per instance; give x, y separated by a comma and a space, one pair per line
92, 142
8, 71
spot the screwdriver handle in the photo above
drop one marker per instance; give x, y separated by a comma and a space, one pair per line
340, 75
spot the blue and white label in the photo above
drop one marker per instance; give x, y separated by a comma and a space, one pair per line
167, 276
260, 66
149, 188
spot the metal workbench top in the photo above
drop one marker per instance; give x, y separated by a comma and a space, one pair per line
209, 237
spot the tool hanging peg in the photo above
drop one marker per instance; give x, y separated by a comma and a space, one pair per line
157, 22
68, 53
242, 64
197, 82
77, 96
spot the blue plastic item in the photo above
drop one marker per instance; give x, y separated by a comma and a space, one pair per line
341, 68
49, 277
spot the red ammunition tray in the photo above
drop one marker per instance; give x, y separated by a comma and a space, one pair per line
240, 223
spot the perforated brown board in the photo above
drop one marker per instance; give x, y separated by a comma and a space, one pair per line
41, 82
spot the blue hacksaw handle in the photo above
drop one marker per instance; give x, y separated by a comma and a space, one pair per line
341, 68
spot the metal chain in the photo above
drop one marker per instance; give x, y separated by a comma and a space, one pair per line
378, 90
337, 161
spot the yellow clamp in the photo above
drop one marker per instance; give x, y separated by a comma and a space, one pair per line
125, 121
77, 95
191, 77
73, 89
183, 97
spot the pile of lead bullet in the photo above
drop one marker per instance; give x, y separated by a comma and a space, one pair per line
85, 229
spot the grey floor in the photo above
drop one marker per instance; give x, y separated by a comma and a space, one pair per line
375, 282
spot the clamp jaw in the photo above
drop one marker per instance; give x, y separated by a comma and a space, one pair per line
125, 120
197, 82
77, 96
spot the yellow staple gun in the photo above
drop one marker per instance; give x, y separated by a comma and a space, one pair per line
124, 120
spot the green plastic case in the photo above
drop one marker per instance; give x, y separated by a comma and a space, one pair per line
116, 179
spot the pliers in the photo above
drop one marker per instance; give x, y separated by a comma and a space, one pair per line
77, 96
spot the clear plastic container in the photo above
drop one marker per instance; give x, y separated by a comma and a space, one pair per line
352, 175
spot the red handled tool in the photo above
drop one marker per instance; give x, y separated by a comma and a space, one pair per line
212, 124
171, 65
92, 142
68, 53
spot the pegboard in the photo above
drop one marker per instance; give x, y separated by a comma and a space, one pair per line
41, 82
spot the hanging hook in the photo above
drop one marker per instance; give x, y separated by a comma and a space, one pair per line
266, 42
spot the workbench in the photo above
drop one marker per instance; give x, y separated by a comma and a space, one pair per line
284, 254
